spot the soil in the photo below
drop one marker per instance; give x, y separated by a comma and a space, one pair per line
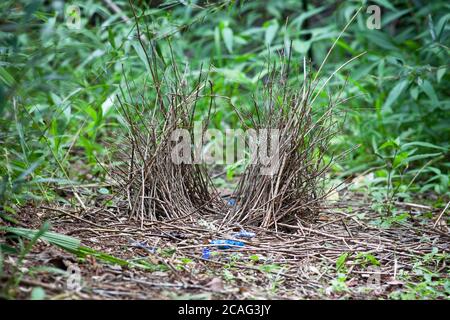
302, 261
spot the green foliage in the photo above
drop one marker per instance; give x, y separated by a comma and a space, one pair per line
366, 259
56, 87
67, 243
58, 83
339, 285
424, 282
64, 242
24, 249
340, 262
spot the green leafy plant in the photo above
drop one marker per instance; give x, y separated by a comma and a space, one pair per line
16, 272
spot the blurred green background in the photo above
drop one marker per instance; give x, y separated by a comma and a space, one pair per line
63, 62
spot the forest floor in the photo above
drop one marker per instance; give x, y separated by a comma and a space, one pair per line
341, 253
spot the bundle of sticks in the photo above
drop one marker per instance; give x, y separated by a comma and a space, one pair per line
291, 182
155, 186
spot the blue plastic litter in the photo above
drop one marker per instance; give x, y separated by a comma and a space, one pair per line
245, 234
227, 244
206, 253
231, 202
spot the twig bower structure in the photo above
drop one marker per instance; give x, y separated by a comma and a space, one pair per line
157, 188
296, 182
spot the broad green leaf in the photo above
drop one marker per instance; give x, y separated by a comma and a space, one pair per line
271, 31
141, 54
107, 104
341, 261
421, 156
429, 91
394, 16
422, 144
60, 240
70, 244
374, 261
56, 99
414, 92
6, 77
399, 159
390, 144
301, 46
440, 73
440, 26
393, 95
380, 39
254, 257
28, 171
227, 35
5, 249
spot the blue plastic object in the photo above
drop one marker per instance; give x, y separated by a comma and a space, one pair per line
227, 244
245, 234
206, 253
